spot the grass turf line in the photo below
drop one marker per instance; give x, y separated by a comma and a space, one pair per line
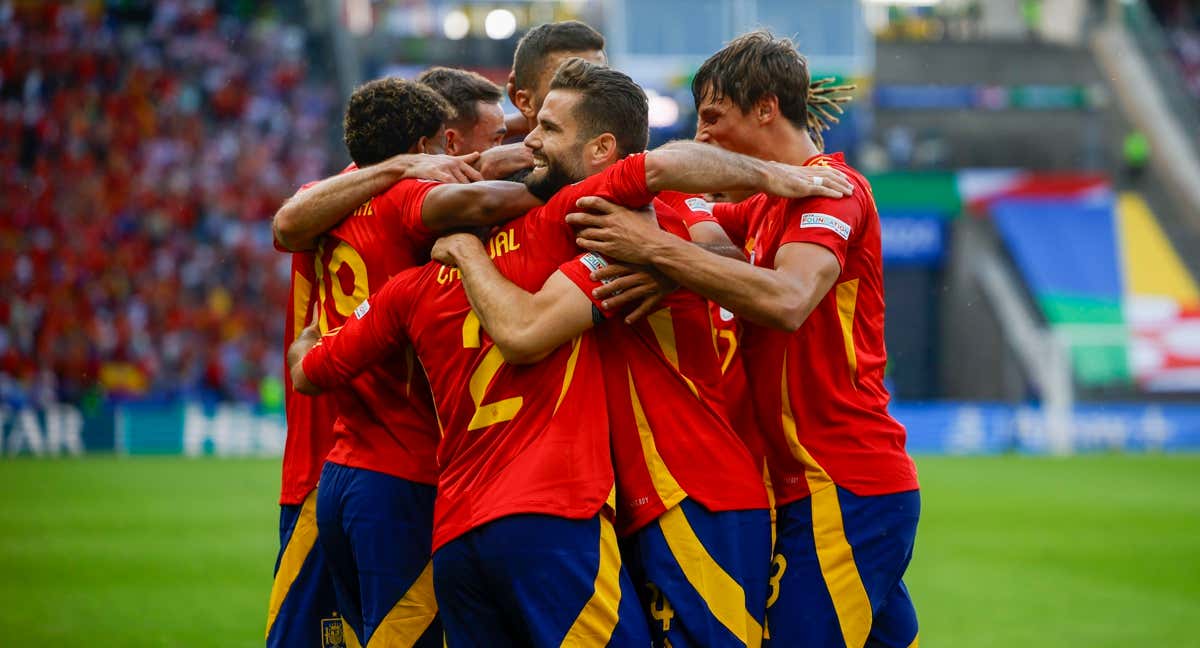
1027, 551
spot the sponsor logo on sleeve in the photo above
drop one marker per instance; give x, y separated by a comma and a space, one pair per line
697, 204
362, 309
594, 262
836, 225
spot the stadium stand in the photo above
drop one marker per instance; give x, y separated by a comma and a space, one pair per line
1181, 20
142, 153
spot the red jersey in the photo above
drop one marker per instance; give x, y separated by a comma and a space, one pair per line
662, 376
819, 391
734, 393
309, 418
517, 439
385, 418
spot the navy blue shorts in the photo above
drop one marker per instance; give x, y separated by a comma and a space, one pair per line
537, 580
836, 578
377, 533
702, 576
303, 607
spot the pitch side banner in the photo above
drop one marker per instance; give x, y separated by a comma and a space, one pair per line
239, 430
977, 428
55, 430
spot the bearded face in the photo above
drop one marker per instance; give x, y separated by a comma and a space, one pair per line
557, 146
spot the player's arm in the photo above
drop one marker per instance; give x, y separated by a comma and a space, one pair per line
319, 363
525, 326
500, 162
310, 213
453, 206
691, 167
781, 297
623, 285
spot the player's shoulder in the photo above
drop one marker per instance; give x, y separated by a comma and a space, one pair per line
406, 189
838, 161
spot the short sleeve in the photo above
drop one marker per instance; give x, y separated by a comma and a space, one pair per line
376, 328
579, 270
692, 209
399, 210
734, 218
671, 220
828, 222
623, 183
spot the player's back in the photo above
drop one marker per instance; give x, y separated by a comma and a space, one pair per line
517, 439
385, 419
309, 418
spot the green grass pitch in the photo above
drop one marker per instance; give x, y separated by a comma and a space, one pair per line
1012, 551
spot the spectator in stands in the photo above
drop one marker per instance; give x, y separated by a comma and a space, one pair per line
142, 153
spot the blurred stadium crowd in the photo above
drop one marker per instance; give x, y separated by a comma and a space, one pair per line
142, 153
145, 145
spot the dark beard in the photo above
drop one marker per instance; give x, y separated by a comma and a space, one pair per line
544, 188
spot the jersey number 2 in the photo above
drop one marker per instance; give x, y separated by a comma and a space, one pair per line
486, 413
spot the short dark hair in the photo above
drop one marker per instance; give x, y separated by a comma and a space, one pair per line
544, 40
388, 116
611, 103
463, 89
753, 66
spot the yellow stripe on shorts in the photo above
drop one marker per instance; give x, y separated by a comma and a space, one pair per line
304, 536
724, 596
596, 621
410, 617
834, 553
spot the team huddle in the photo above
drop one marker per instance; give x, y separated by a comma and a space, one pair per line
571, 392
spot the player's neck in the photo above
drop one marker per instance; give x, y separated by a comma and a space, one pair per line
790, 145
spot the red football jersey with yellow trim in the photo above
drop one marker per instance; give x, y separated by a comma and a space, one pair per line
386, 421
818, 392
517, 439
309, 418
671, 439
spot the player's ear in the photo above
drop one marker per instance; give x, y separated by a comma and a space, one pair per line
523, 101
510, 87
766, 109
602, 150
453, 141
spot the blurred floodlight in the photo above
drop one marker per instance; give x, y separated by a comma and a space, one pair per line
358, 17
664, 111
500, 24
456, 25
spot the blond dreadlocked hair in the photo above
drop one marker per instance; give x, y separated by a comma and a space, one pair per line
824, 106
759, 64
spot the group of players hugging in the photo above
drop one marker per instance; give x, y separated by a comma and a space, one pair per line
570, 392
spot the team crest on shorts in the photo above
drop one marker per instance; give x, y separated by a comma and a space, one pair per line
332, 634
